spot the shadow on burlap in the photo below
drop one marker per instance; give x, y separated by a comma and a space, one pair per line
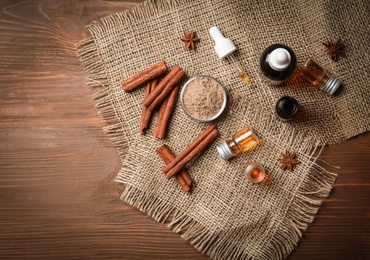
225, 216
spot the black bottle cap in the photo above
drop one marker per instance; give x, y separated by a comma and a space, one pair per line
287, 107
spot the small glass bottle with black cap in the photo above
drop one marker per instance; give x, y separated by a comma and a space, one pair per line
287, 108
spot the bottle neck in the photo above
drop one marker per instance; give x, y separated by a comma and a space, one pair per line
287, 108
224, 151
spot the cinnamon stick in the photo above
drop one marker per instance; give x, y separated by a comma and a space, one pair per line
188, 149
144, 76
146, 114
148, 100
164, 88
189, 153
170, 86
183, 177
160, 118
165, 113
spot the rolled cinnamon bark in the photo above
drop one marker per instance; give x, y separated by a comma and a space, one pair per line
146, 114
144, 76
183, 177
190, 154
164, 88
149, 99
170, 86
165, 113
188, 149
160, 118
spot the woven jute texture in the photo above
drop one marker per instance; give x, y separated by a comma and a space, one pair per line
225, 216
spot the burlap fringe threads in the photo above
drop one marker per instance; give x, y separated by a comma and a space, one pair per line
220, 246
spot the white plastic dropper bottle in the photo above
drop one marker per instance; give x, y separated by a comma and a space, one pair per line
224, 47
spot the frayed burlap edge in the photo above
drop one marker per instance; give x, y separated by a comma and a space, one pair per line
302, 210
143, 10
89, 57
304, 205
218, 246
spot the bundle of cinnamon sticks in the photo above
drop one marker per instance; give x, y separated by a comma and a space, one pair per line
195, 148
158, 93
183, 178
164, 94
175, 165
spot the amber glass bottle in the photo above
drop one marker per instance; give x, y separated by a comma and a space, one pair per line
240, 142
320, 77
254, 172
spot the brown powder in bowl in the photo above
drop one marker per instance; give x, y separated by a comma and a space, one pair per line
203, 98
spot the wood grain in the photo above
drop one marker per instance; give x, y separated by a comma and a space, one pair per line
57, 195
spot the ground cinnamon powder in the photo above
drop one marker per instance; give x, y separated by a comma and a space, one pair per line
203, 98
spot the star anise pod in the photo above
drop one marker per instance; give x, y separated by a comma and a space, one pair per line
334, 49
190, 40
288, 160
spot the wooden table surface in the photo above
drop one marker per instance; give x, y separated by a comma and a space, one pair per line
57, 195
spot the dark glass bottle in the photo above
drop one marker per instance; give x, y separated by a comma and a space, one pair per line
278, 63
287, 108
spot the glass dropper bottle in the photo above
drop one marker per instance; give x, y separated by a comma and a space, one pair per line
224, 48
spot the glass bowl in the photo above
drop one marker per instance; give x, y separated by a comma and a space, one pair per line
223, 106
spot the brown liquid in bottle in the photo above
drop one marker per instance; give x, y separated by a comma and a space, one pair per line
240, 142
315, 74
243, 141
255, 173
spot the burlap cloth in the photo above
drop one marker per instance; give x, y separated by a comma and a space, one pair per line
225, 216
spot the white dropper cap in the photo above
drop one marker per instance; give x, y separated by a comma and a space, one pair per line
224, 46
279, 59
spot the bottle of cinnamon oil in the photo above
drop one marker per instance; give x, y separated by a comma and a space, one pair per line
287, 108
320, 77
255, 172
240, 142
